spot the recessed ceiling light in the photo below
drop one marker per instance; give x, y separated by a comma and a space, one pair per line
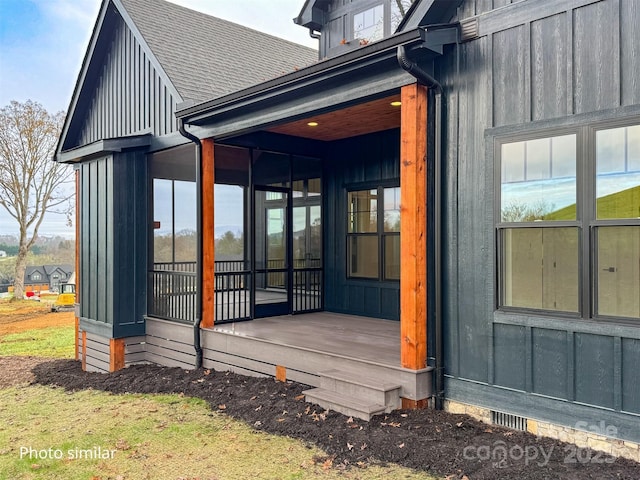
396, 103
313, 124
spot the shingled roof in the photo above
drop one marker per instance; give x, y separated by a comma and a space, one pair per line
206, 57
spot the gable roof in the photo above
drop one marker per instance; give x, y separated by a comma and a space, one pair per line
196, 57
207, 57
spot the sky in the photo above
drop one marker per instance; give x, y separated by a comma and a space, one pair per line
42, 45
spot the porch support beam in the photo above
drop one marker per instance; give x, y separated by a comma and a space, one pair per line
413, 227
208, 235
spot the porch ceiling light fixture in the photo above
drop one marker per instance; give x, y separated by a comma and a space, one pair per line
396, 103
313, 124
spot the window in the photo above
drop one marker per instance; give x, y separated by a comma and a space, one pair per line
369, 25
174, 214
36, 277
569, 222
373, 240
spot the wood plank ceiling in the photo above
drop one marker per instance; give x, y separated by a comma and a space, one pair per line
369, 117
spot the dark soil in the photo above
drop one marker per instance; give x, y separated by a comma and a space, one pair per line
434, 441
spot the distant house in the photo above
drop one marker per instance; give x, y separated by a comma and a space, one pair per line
445, 206
47, 276
3, 254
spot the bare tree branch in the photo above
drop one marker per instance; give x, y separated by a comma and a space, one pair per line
31, 184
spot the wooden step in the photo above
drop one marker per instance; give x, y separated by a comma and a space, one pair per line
363, 388
345, 404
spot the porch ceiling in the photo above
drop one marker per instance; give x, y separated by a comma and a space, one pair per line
374, 116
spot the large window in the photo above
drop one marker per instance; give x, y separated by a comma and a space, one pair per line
569, 222
373, 240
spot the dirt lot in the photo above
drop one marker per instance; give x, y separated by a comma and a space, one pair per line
433, 441
16, 317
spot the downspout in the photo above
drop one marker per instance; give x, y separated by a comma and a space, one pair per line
313, 34
196, 326
427, 80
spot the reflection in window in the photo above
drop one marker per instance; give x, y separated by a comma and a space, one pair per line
373, 243
369, 25
618, 271
363, 211
175, 228
363, 256
618, 173
540, 268
538, 179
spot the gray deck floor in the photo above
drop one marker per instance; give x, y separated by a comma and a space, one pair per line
369, 339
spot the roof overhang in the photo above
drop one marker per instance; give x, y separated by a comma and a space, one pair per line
428, 12
103, 147
363, 75
312, 14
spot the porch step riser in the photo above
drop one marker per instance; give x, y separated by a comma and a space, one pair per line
342, 404
389, 398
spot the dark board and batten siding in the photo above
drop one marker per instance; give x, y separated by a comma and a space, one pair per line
535, 65
131, 96
356, 163
113, 249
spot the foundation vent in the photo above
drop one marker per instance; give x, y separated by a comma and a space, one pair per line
510, 421
468, 29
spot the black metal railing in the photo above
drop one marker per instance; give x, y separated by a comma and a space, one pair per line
307, 290
232, 296
172, 295
172, 288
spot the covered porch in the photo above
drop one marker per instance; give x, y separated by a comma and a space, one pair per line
311, 348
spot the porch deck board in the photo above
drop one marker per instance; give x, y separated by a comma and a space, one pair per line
368, 339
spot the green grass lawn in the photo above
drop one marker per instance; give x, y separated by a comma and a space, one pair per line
147, 437
57, 342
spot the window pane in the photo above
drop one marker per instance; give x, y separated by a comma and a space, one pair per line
392, 257
185, 221
163, 221
369, 25
618, 173
540, 268
228, 216
363, 211
539, 179
618, 267
362, 256
392, 209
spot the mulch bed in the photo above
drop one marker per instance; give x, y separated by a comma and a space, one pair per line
438, 442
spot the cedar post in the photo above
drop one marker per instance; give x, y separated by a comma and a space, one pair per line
413, 227
77, 263
208, 235
116, 354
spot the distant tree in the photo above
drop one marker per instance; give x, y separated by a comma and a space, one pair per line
403, 6
31, 184
229, 244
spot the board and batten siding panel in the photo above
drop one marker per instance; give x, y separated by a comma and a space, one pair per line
596, 61
129, 243
510, 364
474, 202
631, 375
630, 51
130, 96
549, 67
509, 95
594, 360
96, 248
549, 362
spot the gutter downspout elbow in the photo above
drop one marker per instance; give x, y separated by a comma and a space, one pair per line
431, 83
196, 326
313, 34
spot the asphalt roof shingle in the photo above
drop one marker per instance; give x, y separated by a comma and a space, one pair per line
207, 57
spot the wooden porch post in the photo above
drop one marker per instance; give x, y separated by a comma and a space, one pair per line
413, 227
208, 235
77, 263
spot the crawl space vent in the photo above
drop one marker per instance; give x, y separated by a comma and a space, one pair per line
510, 421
